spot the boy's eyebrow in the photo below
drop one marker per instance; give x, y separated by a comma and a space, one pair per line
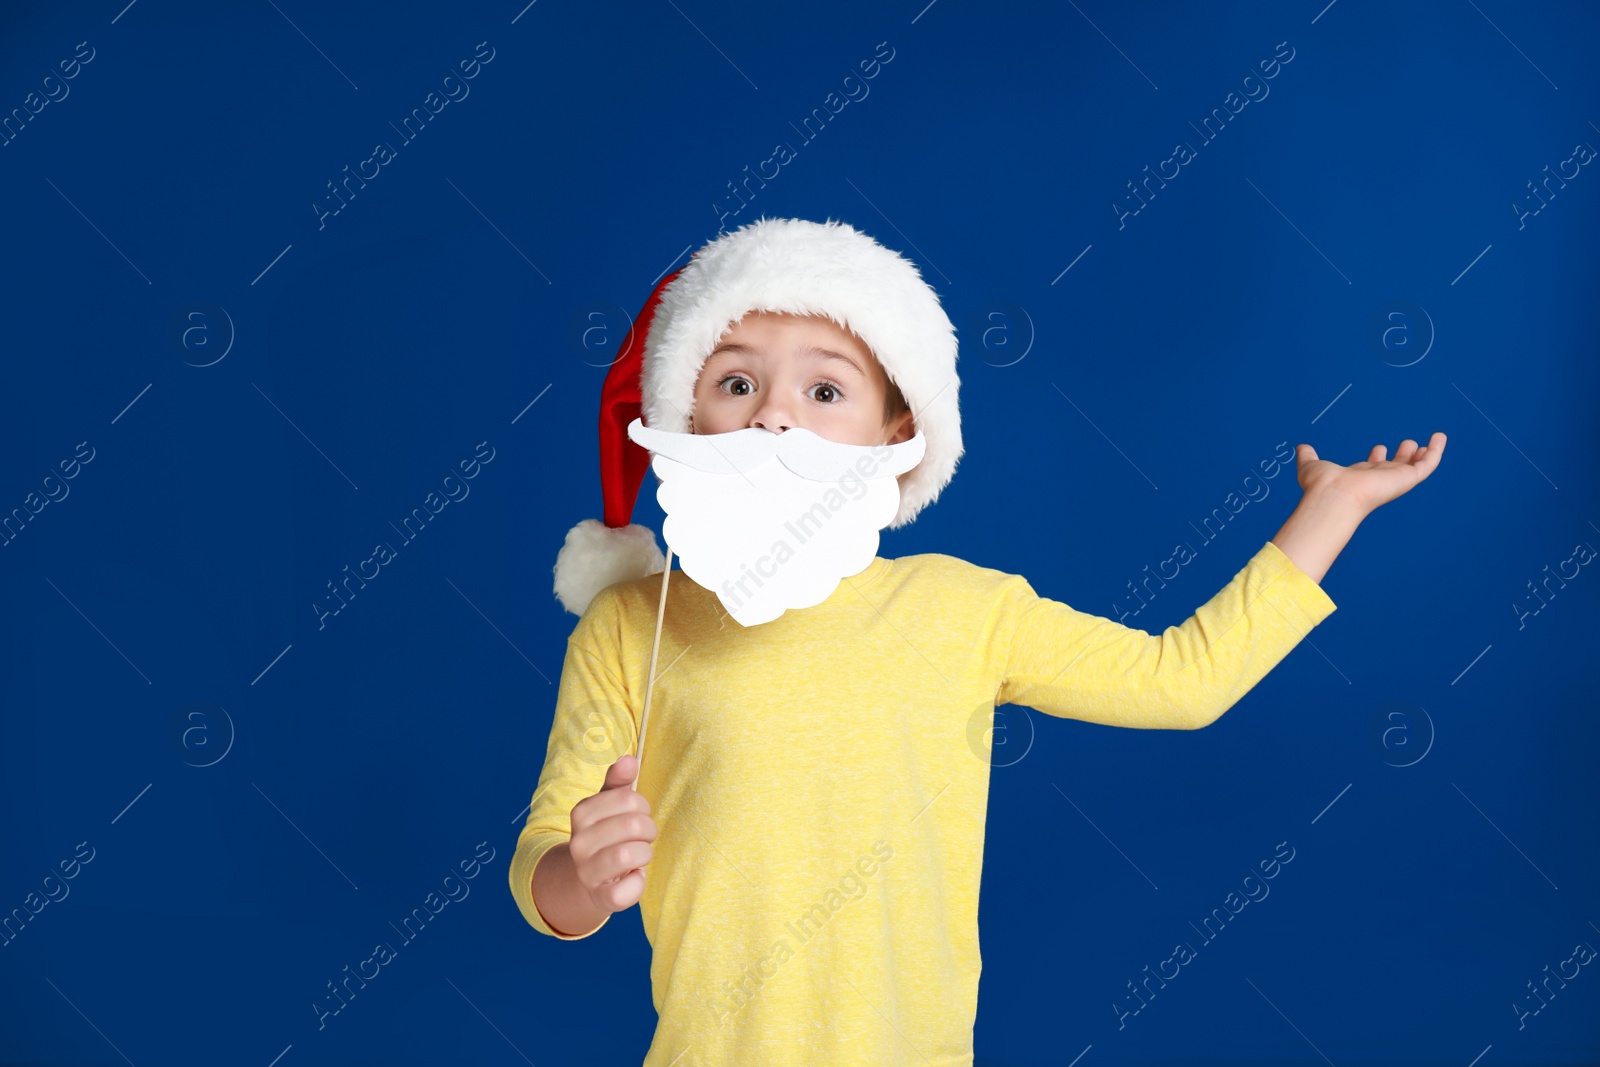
809, 350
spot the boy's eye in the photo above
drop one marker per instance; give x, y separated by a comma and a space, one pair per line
732, 378
831, 389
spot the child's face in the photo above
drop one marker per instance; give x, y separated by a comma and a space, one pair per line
775, 370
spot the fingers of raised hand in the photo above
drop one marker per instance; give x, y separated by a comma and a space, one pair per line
1428, 455
1377, 454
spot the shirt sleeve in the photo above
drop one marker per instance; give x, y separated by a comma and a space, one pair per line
592, 728
1073, 665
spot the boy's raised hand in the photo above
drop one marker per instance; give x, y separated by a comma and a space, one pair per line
611, 835
1376, 481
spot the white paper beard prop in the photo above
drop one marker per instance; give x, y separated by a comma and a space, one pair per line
772, 521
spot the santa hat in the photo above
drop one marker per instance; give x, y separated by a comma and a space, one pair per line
776, 265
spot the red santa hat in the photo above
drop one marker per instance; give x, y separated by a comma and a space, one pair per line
796, 266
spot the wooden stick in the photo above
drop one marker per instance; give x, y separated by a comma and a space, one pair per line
650, 685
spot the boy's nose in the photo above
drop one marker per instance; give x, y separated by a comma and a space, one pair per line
773, 415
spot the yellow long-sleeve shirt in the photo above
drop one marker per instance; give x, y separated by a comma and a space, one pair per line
820, 783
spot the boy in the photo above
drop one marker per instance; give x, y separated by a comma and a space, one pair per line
806, 843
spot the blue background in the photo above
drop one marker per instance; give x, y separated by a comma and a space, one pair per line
264, 796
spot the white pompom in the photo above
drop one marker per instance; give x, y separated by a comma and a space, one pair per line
596, 556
